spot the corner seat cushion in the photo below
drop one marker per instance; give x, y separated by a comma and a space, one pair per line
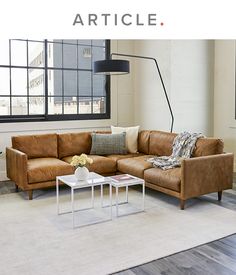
134, 166
101, 165
118, 157
46, 169
169, 179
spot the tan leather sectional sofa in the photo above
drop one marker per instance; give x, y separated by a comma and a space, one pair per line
34, 161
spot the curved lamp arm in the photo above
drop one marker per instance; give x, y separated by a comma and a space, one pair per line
162, 82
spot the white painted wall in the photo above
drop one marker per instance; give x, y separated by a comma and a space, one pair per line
187, 70
224, 94
121, 97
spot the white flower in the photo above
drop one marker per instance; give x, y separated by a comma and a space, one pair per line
81, 160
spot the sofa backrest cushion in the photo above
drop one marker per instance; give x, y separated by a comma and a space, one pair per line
143, 141
208, 146
36, 146
74, 144
160, 143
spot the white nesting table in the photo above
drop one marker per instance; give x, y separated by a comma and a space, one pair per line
126, 183
93, 180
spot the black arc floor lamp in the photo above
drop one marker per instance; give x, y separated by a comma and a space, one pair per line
119, 66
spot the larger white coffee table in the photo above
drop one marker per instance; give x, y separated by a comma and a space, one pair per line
93, 180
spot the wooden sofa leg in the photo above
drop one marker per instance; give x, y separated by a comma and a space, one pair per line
30, 194
182, 202
220, 195
16, 188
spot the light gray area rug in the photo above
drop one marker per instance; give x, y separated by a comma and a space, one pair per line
34, 240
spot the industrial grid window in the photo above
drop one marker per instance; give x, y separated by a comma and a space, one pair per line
46, 80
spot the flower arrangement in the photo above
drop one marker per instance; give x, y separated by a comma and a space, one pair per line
81, 161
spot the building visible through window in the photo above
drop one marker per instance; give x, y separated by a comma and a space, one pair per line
52, 80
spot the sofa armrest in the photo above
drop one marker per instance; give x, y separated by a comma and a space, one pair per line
17, 167
202, 175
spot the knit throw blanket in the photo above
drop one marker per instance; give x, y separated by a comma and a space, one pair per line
183, 147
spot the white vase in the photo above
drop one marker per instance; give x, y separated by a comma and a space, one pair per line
81, 173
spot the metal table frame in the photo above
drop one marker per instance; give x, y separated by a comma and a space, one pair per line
126, 184
94, 180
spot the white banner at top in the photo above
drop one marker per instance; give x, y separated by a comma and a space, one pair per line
123, 19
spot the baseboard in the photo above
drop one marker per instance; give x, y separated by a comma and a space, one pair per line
3, 176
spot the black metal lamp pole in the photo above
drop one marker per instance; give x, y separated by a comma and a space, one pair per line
118, 66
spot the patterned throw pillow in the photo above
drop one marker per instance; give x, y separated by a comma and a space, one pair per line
131, 137
107, 144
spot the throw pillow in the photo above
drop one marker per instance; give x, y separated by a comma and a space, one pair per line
131, 137
108, 144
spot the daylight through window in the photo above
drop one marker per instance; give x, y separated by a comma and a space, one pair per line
52, 80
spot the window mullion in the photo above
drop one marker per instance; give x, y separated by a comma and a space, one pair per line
77, 84
46, 78
10, 76
27, 70
62, 81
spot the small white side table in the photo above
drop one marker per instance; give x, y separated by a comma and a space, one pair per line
93, 180
126, 184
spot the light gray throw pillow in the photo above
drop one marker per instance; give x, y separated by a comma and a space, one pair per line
108, 144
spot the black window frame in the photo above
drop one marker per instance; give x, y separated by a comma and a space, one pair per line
46, 68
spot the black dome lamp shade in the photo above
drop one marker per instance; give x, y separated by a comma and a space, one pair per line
111, 67
119, 66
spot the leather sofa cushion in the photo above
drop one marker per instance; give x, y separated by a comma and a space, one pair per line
160, 143
46, 169
74, 144
101, 165
143, 142
134, 166
36, 146
118, 157
169, 179
208, 146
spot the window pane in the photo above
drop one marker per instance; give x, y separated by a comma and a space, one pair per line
69, 56
85, 42
4, 106
55, 55
18, 53
98, 42
55, 105
84, 57
55, 82
19, 81
4, 81
36, 54
85, 87
36, 105
36, 82
4, 52
70, 41
70, 105
19, 106
85, 105
99, 85
98, 53
70, 82
99, 105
